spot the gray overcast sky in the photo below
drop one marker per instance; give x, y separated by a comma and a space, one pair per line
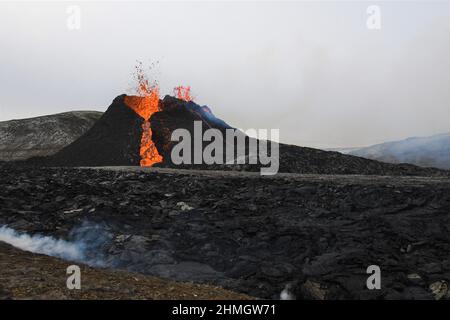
312, 69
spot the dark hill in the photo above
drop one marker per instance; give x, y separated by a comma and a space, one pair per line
115, 141
42, 136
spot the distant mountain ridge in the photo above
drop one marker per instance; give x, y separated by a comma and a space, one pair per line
432, 151
42, 136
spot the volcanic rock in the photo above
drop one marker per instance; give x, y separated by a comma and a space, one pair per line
24, 275
179, 114
114, 140
319, 241
43, 136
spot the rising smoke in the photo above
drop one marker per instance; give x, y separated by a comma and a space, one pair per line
287, 294
85, 245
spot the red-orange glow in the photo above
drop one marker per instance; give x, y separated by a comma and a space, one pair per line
183, 93
145, 105
149, 153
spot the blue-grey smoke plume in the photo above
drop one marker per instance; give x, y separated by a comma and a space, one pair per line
85, 245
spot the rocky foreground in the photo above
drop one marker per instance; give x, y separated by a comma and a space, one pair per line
310, 235
24, 275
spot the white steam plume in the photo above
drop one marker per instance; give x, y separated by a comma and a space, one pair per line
41, 244
286, 294
82, 249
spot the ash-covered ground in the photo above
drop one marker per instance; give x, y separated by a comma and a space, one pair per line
25, 275
313, 234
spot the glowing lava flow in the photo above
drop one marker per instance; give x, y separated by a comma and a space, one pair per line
145, 105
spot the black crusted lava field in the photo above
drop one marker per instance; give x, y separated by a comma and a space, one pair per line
315, 234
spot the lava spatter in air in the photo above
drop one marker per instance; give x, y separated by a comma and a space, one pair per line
183, 93
145, 104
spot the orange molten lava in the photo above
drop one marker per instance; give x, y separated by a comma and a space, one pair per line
149, 153
145, 105
183, 93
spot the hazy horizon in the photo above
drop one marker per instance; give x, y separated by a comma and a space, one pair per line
313, 70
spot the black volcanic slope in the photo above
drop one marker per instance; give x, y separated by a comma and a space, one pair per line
176, 114
115, 139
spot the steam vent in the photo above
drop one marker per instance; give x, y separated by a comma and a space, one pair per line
135, 131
